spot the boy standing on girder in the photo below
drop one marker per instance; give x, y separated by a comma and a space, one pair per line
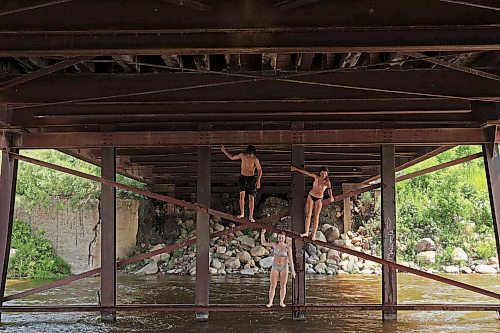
248, 183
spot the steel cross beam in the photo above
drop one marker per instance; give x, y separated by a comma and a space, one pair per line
261, 224
42, 72
251, 40
321, 307
415, 137
121, 263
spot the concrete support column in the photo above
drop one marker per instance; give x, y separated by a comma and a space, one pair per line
108, 235
298, 202
8, 178
389, 275
203, 232
491, 155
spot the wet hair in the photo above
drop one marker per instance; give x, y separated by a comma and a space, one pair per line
324, 168
251, 149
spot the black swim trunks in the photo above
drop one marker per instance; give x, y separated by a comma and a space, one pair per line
248, 184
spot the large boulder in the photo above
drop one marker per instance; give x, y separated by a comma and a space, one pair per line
320, 236
325, 227
451, 269
266, 262
485, 269
232, 263
465, 270
333, 254
247, 271
320, 268
221, 249
259, 251
219, 227
216, 264
459, 255
244, 257
149, 269
310, 249
426, 257
493, 261
425, 244
246, 241
332, 234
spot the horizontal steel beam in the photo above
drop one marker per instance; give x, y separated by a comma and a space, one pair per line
415, 137
416, 88
260, 40
251, 307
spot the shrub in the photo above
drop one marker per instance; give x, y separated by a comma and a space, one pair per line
35, 258
486, 249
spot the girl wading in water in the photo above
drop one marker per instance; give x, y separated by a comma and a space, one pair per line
279, 270
315, 197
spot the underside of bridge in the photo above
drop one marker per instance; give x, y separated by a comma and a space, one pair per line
150, 89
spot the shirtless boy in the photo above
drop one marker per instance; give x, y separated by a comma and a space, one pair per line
248, 183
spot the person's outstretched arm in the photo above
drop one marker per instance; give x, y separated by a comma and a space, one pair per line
263, 239
332, 199
290, 259
231, 157
259, 170
307, 173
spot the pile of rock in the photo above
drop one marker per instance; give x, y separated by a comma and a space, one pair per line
321, 260
242, 253
461, 262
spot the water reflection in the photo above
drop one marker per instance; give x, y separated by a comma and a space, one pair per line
237, 289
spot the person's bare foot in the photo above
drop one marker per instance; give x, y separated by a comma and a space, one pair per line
269, 305
241, 216
282, 305
251, 219
313, 237
304, 234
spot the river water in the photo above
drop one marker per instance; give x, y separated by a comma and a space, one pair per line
252, 290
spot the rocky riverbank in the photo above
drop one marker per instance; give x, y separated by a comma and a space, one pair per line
242, 253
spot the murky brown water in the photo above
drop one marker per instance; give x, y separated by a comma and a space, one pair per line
237, 289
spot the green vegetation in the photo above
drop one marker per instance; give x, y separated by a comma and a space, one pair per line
38, 185
486, 249
450, 206
35, 258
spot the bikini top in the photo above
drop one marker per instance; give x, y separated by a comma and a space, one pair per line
278, 253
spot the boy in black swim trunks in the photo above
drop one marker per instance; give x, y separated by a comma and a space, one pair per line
248, 183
